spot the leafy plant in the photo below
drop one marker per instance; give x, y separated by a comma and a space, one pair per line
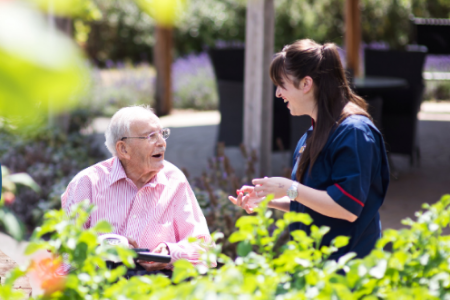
52, 159
8, 220
213, 188
416, 267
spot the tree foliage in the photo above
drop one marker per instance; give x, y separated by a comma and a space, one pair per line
207, 22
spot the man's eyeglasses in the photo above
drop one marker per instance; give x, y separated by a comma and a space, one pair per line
152, 137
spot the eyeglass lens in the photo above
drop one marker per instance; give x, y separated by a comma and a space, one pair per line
165, 132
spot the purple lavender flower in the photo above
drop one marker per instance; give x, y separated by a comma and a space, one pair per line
193, 82
109, 64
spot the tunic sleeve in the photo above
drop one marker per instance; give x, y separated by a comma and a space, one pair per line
354, 157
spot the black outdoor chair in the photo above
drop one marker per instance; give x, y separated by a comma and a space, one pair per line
228, 66
400, 107
432, 33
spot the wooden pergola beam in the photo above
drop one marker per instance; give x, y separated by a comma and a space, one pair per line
353, 35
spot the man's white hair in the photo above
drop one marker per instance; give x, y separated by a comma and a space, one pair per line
119, 126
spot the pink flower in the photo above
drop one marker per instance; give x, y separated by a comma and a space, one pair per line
9, 198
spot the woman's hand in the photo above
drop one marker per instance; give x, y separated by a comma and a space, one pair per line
277, 186
247, 201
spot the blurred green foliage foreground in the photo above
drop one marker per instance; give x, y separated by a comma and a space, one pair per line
416, 267
42, 71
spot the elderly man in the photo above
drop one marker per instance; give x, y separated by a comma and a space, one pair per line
145, 198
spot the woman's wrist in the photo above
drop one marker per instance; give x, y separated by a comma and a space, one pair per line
282, 204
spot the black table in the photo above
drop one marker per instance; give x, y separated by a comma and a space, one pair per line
376, 85
372, 88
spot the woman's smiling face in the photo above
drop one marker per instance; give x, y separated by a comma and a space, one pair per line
300, 101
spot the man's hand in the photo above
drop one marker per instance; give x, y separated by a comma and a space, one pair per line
156, 266
132, 243
149, 265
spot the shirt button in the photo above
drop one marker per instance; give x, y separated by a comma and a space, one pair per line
134, 216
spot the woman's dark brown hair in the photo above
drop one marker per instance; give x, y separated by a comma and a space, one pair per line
335, 100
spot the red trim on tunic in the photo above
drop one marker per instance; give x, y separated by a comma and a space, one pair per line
348, 195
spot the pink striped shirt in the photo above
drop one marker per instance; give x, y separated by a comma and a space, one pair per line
165, 210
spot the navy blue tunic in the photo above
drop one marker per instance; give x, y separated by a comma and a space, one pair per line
353, 169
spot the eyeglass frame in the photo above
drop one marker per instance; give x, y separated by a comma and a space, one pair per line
149, 136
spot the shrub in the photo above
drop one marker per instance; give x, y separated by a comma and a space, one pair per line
417, 267
213, 188
52, 158
121, 86
193, 85
437, 90
8, 221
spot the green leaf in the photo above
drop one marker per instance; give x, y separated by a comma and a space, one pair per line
12, 225
103, 227
291, 217
13, 275
126, 256
244, 248
246, 221
5, 171
165, 12
340, 241
379, 270
183, 270
80, 253
85, 9
34, 246
24, 179
238, 236
346, 258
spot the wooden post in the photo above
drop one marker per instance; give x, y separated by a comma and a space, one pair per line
163, 63
258, 88
352, 35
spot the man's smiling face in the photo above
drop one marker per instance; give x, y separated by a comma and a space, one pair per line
146, 156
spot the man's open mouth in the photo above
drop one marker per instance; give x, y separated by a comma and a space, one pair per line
157, 155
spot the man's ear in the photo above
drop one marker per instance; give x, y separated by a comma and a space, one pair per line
307, 84
122, 150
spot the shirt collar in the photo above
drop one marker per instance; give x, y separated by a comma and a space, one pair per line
118, 173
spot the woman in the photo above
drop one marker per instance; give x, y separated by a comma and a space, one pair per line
340, 174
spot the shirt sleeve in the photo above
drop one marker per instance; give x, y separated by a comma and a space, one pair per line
353, 160
79, 189
189, 221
